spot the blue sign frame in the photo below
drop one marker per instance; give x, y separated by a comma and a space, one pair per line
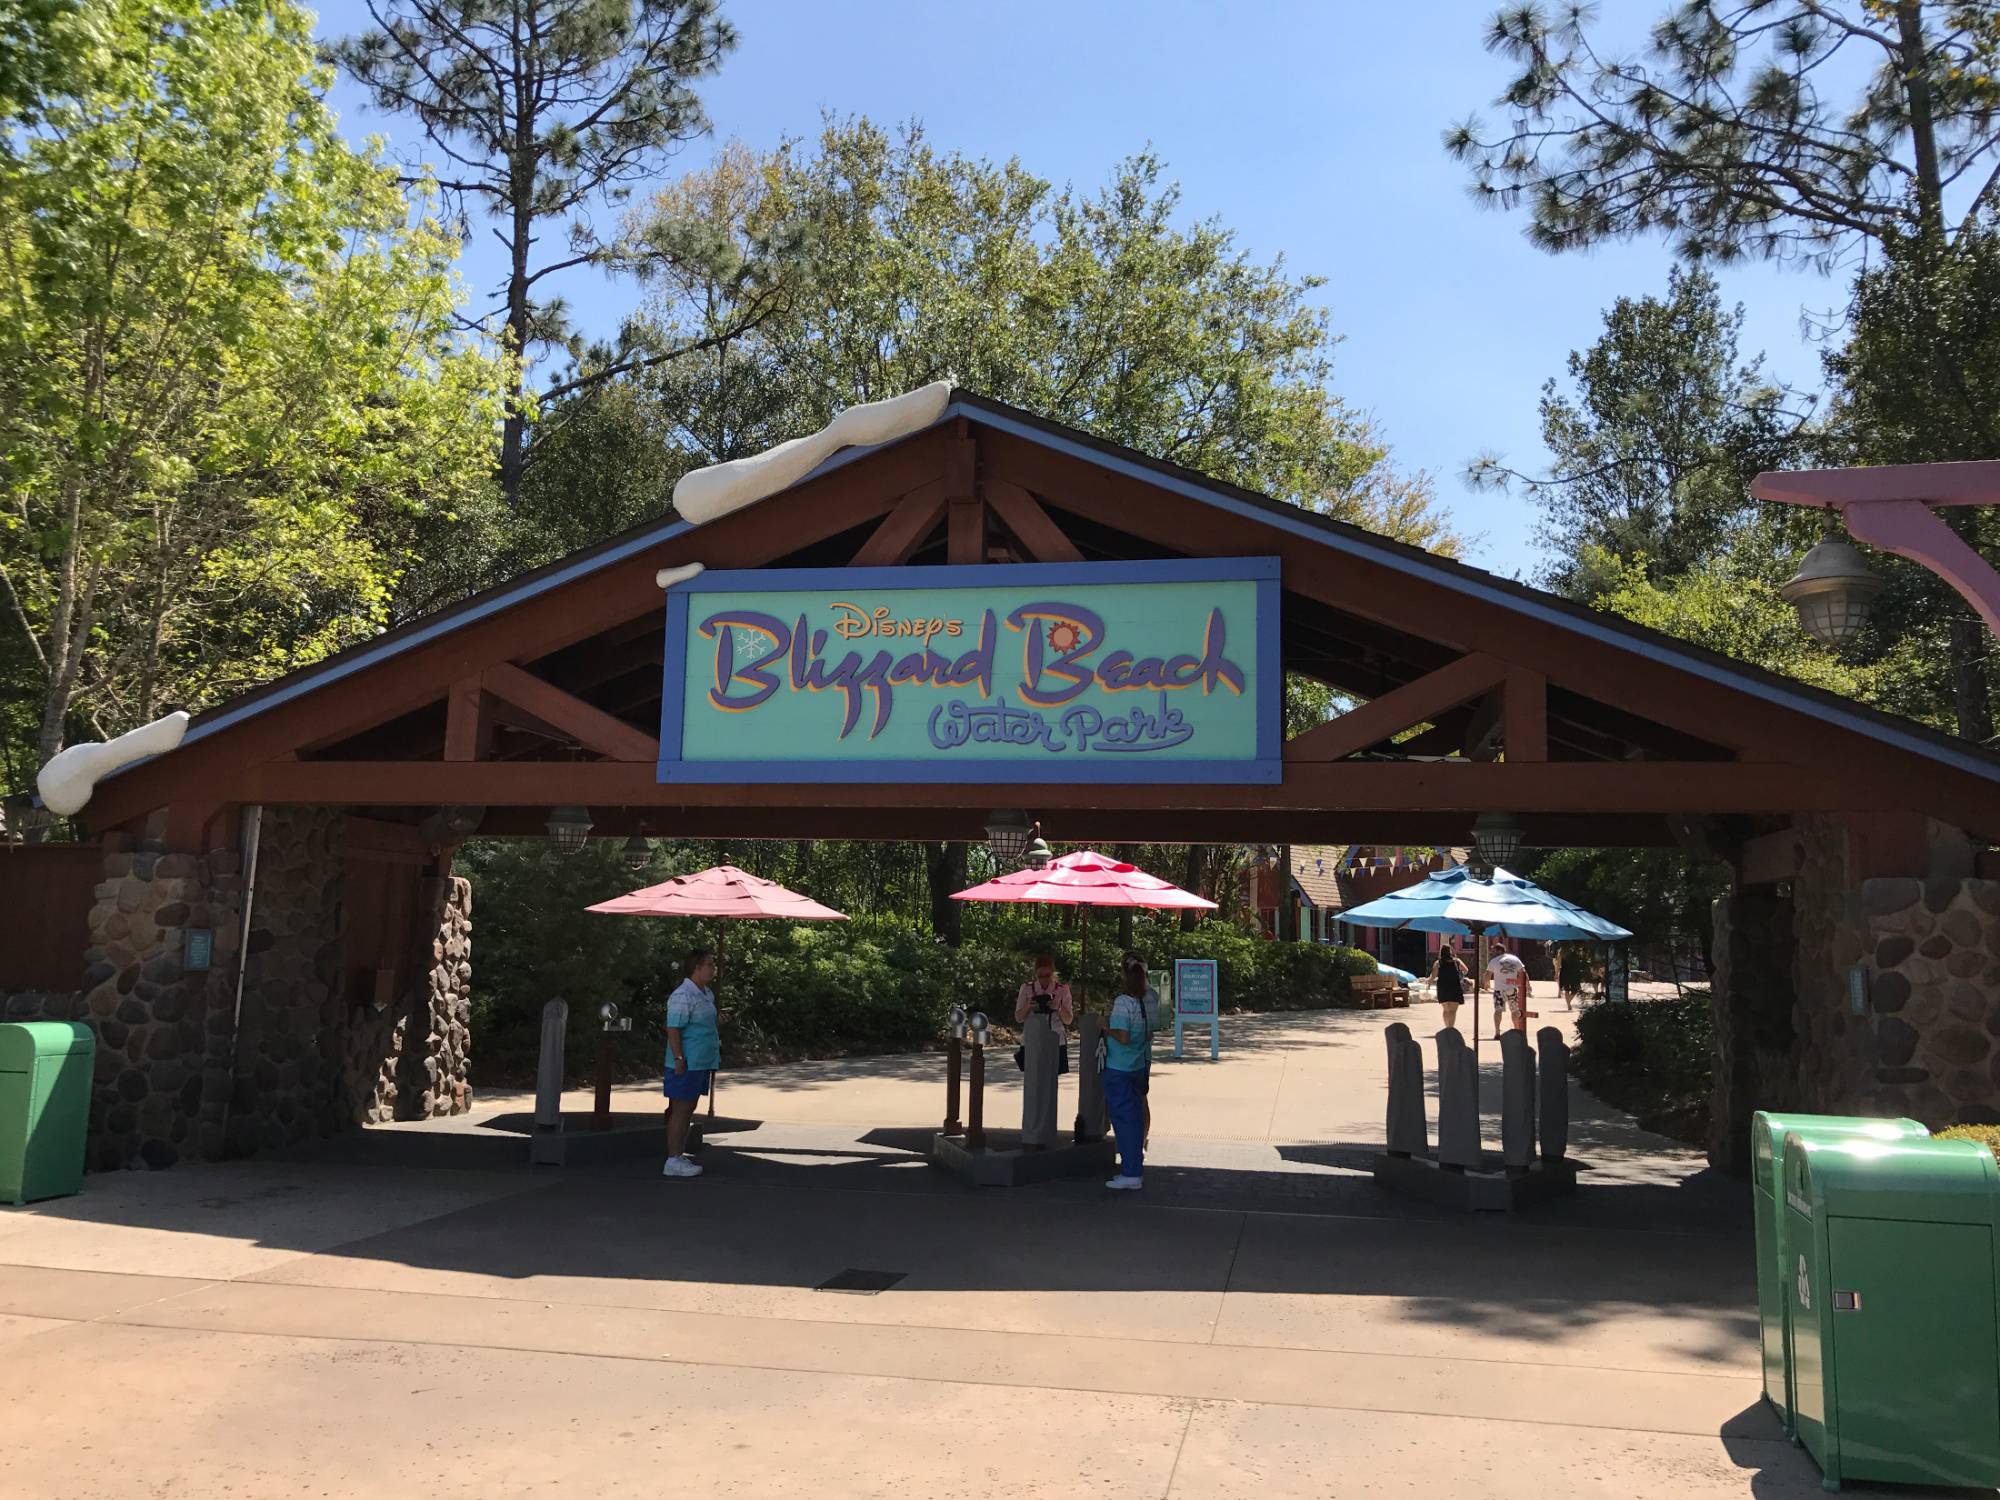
1266, 768
1206, 973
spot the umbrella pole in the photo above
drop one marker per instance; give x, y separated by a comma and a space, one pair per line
718, 992
1478, 985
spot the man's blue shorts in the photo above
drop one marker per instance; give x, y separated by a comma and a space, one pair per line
689, 1085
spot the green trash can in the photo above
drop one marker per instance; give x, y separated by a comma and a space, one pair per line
1768, 1133
45, 1073
1895, 1309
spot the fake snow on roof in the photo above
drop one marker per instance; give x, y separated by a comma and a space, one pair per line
705, 495
71, 775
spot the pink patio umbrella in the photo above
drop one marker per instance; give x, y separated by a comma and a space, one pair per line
1087, 878
725, 892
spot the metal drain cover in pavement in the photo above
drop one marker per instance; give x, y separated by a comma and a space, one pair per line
864, 1283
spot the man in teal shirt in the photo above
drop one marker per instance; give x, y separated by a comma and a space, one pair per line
694, 1052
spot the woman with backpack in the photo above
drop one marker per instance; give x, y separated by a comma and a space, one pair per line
1045, 1012
1128, 1055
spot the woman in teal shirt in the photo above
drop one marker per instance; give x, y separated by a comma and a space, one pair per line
1128, 1056
694, 1052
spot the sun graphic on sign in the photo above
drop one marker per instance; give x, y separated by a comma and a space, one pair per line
1064, 636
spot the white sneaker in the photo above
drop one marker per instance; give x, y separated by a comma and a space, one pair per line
680, 1166
1126, 1184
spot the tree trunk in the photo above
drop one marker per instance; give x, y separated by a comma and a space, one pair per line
1915, 65
1191, 873
521, 172
944, 865
1970, 692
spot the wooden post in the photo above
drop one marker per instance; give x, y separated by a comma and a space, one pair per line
975, 1116
954, 1053
600, 1116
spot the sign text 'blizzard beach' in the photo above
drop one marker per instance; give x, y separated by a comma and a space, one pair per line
1149, 671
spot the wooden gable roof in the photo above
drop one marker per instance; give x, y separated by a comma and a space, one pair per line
546, 689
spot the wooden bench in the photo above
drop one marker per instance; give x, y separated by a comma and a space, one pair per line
1378, 991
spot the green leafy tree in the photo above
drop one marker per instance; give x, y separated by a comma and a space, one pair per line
1655, 444
229, 386
909, 264
1807, 131
538, 109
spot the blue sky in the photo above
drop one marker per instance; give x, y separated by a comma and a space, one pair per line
1312, 129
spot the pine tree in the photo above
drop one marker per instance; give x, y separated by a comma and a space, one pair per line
540, 108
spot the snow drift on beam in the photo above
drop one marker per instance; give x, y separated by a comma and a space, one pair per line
706, 494
71, 775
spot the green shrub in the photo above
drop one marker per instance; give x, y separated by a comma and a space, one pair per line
1668, 1043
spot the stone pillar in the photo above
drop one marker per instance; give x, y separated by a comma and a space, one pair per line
436, 1051
1933, 999
157, 1024
1754, 1008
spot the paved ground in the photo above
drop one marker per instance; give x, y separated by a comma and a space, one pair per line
415, 1311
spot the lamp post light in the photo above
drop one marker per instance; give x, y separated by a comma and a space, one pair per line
569, 827
1496, 840
975, 1115
1892, 508
954, 1052
1036, 856
1834, 588
1007, 833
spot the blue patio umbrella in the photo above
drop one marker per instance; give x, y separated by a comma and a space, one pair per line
1458, 902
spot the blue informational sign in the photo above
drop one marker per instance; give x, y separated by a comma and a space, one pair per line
197, 947
1197, 1002
1096, 672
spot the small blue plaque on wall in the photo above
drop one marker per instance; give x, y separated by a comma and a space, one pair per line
197, 947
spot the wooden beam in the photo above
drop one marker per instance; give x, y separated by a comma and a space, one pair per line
965, 532
903, 530
965, 511
592, 727
1022, 514
1526, 709
1411, 704
468, 729
1085, 825
1344, 786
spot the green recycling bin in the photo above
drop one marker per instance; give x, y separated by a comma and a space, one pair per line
1895, 1309
45, 1072
1768, 1133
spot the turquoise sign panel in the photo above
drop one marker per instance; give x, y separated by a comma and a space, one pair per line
1132, 672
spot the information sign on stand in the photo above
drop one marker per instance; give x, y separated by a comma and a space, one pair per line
1197, 1002
1617, 974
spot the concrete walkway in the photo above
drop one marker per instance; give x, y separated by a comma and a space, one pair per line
413, 1310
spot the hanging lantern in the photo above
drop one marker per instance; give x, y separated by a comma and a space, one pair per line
569, 827
1496, 840
636, 853
1036, 856
1007, 831
1833, 590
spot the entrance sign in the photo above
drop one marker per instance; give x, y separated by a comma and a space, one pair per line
1197, 1002
1068, 672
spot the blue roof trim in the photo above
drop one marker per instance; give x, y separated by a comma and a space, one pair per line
1418, 567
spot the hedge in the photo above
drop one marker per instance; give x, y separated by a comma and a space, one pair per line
869, 985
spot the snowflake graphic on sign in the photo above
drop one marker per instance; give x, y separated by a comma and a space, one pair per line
1804, 1286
